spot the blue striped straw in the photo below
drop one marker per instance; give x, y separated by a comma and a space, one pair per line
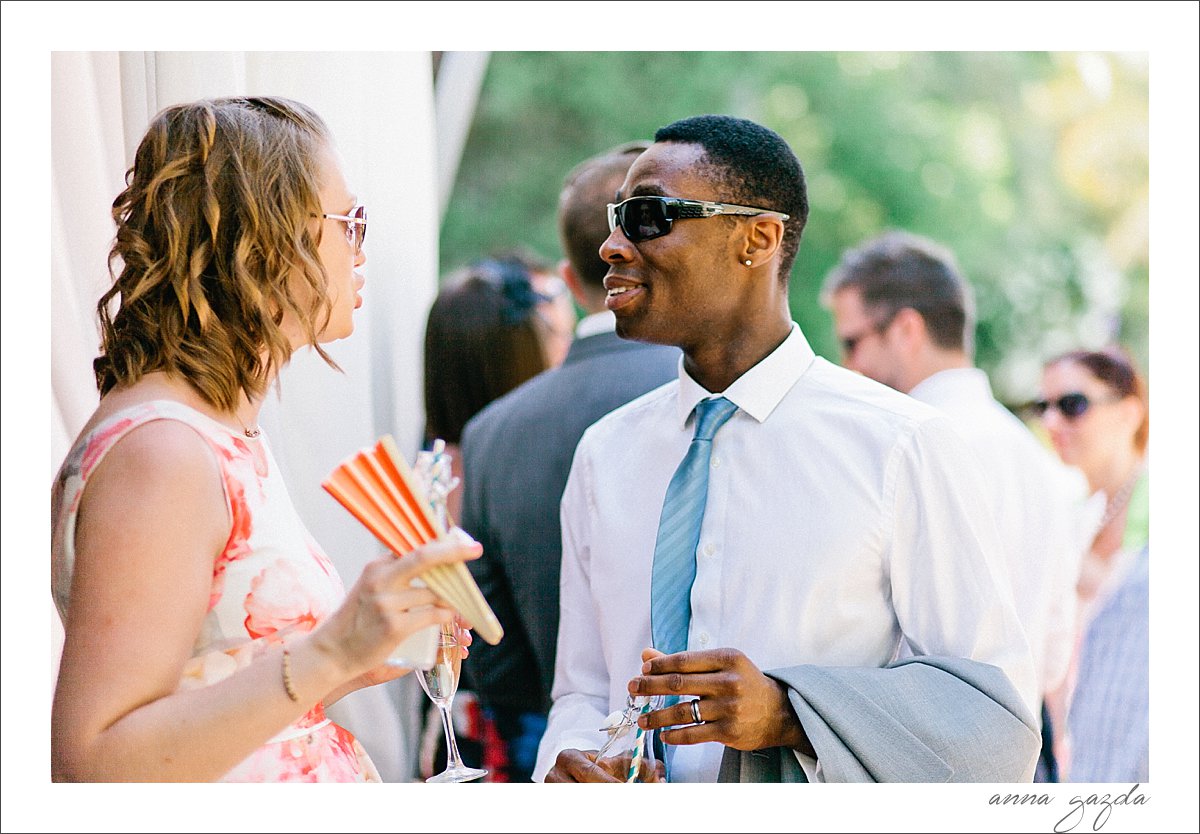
639, 746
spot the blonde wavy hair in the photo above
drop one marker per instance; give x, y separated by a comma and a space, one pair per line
215, 245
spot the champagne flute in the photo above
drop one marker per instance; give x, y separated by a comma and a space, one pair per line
440, 682
625, 738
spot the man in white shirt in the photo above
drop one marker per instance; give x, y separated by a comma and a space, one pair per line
840, 518
516, 454
905, 317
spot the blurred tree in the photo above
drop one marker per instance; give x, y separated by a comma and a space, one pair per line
1032, 167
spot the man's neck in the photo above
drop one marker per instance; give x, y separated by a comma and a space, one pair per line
930, 362
719, 362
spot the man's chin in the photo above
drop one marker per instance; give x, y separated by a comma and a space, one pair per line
635, 330
628, 328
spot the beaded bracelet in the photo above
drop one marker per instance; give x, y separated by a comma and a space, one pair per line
287, 677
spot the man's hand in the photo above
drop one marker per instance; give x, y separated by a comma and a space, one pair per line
740, 706
581, 766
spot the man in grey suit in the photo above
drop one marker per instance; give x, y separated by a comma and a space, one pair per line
517, 453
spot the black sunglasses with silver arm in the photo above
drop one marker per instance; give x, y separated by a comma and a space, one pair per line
645, 218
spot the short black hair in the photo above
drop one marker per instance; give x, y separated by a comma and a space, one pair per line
754, 166
900, 269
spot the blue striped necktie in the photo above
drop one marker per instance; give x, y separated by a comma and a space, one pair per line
674, 568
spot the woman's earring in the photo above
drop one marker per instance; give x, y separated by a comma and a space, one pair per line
748, 262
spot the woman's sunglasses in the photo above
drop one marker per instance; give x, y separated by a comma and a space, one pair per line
356, 226
1071, 406
645, 218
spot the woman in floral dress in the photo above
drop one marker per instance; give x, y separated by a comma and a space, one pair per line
205, 629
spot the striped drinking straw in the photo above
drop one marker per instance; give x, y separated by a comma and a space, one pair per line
639, 746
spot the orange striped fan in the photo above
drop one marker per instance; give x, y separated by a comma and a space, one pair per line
378, 488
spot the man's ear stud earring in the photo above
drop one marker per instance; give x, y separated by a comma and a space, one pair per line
748, 263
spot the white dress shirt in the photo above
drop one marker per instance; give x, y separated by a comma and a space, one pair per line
841, 517
1038, 505
603, 322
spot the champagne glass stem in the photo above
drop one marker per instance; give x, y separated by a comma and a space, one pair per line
453, 759
607, 746
440, 684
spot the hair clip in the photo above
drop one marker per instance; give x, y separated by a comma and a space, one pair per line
514, 284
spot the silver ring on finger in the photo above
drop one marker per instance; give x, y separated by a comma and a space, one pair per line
696, 719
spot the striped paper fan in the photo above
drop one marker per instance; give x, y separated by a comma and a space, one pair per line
378, 488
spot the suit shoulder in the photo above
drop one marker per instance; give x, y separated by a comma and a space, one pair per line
503, 409
584, 388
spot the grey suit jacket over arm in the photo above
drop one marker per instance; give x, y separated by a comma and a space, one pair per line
921, 719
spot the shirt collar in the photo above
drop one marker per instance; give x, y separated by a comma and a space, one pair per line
603, 322
952, 385
761, 388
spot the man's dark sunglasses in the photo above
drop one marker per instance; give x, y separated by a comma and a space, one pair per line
645, 218
1071, 406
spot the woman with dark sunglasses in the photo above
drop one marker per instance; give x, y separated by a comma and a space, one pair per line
1095, 409
205, 628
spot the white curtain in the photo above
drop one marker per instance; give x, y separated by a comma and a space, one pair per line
380, 108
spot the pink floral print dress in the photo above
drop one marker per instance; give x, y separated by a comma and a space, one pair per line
270, 582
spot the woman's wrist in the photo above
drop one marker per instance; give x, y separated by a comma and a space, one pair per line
313, 669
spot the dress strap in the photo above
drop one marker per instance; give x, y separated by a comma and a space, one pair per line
90, 451
105, 435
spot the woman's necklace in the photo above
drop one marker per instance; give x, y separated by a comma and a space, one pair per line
251, 433
1119, 499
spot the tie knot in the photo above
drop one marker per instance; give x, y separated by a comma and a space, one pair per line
711, 415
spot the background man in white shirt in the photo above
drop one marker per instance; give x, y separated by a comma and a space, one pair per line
906, 317
840, 518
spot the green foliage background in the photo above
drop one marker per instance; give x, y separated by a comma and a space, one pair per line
1031, 167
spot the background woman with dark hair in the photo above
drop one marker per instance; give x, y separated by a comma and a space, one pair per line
483, 338
486, 334
1095, 408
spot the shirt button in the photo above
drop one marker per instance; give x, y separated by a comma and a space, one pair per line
710, 549
704, 638
716, 461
